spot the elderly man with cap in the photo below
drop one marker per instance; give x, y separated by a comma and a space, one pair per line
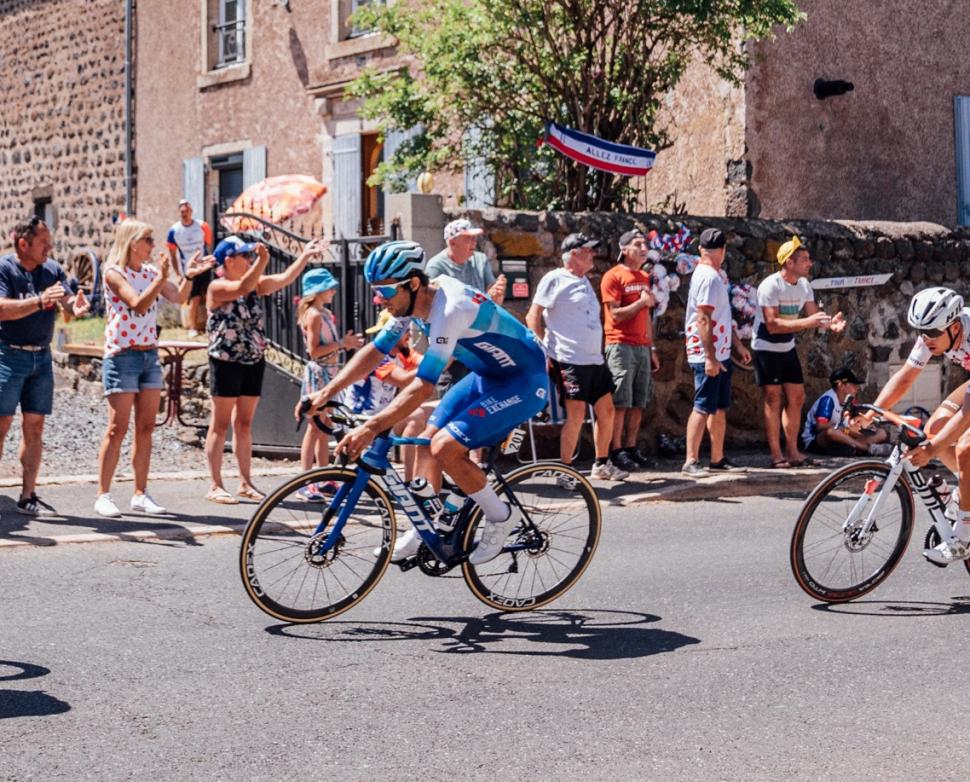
710, 334
781, 298
565, 316
186, 237
627, 301
822, 433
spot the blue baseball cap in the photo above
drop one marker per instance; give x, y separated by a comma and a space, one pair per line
317, 281
232, 245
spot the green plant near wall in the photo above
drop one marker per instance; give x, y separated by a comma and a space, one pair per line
485, 75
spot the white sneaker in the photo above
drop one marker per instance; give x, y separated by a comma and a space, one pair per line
608, 472
145, 504
947, 553
103, 506
493, 538
563, 481
192, 333
405, 546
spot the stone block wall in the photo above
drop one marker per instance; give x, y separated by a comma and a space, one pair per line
62, 129
877, 336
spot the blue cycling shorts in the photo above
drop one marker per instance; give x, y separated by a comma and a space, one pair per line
479, 411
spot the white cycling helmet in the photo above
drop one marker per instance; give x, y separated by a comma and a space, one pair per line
934, 308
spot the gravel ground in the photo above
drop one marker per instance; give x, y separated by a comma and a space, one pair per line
73, 432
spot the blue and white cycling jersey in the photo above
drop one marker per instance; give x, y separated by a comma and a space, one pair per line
467, 325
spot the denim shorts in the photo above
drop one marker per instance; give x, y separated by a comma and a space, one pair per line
712, 393
131, 371
26, 379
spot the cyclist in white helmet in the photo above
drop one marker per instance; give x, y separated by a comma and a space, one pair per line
943, 326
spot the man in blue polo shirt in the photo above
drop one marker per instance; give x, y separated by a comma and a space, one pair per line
32, 288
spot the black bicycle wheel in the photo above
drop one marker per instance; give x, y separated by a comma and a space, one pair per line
836, 564
565, 510
281, 563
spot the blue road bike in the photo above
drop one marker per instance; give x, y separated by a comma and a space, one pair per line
308, 562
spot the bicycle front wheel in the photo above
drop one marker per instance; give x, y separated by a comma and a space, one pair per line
548, 559
834, 560
286, 566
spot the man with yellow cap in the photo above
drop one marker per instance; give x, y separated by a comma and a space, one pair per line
782, 297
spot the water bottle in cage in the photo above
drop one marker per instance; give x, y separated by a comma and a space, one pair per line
426, 496
514, 441
449, 511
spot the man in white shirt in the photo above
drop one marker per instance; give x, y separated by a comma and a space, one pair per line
186, 237
565, 316
710, 333
781, 298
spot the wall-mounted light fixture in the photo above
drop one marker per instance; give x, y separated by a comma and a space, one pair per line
825, 88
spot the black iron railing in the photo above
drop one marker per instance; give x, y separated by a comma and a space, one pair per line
353, 305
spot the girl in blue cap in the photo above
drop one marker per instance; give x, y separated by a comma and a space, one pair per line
323, 345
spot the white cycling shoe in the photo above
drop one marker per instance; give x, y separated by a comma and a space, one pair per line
405, 546
493, 538
947, 553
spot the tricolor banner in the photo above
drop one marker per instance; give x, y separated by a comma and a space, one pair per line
596, 153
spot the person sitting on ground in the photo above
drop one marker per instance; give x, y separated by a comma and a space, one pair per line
823, 434
323, 345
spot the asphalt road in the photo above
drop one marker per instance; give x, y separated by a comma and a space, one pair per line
685, 653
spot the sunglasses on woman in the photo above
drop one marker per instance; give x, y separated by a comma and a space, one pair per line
388, 291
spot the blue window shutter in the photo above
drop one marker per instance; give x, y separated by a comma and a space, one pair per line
193, 183
961, 128
347, 173
479, 180
254, 166
392, 140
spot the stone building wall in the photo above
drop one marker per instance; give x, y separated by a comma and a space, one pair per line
62, 124
876, 338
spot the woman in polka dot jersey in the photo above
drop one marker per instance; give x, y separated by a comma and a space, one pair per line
131, 372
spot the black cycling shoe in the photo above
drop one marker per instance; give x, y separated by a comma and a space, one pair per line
644, 462
622, 460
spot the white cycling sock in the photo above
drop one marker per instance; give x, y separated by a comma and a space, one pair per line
962, 528
493, 508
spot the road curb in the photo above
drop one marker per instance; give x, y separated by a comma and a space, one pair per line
754, 483
184, 475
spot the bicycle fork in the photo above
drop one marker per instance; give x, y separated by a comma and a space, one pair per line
862, 517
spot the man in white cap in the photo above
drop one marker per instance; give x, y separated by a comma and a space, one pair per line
462, 261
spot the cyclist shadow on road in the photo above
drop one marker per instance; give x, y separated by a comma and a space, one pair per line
26, 703
580, 634
898, 608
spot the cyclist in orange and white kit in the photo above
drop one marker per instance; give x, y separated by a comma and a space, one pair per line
943, 325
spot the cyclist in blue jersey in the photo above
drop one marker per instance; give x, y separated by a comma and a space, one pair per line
506, 385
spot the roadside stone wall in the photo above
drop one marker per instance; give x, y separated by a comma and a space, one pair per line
62, 130
916, 254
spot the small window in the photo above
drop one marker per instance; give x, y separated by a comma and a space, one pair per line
230, 33
356, 32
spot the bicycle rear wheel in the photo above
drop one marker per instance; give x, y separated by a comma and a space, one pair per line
283, 565
555, 553
835, 564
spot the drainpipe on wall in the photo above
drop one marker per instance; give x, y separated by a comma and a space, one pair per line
129, 12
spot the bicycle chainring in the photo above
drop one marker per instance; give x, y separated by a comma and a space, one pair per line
430, 565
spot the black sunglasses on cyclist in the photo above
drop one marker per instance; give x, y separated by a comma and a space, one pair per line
933, 333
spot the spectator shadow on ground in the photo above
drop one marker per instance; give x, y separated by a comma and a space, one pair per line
170, 531
898, 609
580, 634
26, 703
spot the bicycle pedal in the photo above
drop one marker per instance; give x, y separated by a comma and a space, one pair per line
934, 564
407, 564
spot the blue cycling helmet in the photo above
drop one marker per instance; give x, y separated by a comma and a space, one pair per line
394, 261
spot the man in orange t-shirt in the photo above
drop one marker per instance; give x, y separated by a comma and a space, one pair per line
628, 330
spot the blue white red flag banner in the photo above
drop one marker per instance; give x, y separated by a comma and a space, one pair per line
597, 153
